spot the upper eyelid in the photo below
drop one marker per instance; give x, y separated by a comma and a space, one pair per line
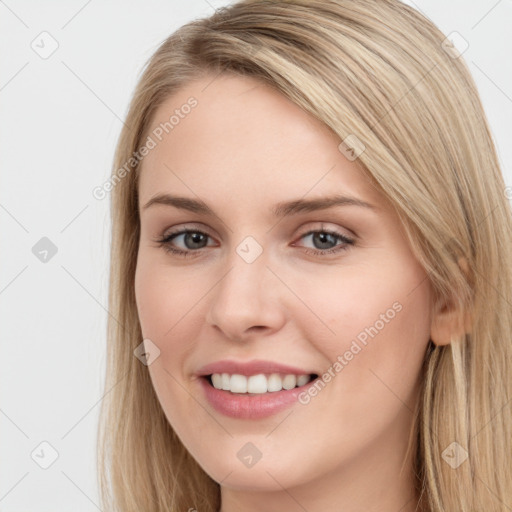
324, 225
184, 230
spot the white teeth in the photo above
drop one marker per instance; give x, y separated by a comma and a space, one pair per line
217, 380
274, 382
257, 384
302, 379
238, 384
225, 382
289, 382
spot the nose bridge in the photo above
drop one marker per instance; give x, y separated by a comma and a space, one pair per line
245, 296
243, 284
248, 268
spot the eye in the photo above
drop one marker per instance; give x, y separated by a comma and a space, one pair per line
325, 239
193, 240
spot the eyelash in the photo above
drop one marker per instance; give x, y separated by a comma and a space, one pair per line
165, 242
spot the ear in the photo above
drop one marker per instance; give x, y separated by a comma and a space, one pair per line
448, 321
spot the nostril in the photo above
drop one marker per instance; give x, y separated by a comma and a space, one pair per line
258, 328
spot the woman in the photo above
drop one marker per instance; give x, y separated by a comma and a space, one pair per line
310, 280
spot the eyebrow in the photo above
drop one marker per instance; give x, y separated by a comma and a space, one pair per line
282, 209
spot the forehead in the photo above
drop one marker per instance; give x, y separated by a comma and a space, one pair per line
244, 138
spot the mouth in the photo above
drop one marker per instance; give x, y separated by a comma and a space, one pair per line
254, 396
259, 384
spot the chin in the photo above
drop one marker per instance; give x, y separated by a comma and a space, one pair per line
262, 476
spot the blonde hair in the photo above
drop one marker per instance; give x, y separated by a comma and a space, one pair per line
377, 70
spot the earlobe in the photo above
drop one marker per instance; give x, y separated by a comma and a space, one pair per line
448, 321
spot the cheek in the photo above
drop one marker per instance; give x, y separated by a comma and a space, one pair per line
380, 320
163, 301
342, 304
162, 296
168, 305
151, 300
393, 337
376, 319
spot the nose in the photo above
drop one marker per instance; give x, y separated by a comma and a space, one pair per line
247, 300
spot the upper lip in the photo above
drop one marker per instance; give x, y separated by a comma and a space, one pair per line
254, 367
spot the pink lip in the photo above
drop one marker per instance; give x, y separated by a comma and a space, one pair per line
247, 406
251, 368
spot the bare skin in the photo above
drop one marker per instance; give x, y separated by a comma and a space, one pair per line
243, 149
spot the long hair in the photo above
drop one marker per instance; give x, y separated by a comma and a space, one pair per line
378, 72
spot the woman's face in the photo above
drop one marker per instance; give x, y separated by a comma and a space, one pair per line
269, 274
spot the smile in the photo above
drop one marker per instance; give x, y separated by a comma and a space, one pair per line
258, 384
258, 400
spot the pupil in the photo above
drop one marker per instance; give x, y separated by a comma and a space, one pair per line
324, 238
195, 238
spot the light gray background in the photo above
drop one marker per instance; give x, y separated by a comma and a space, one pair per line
60, 119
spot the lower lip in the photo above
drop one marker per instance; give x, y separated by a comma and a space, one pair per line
247, 406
